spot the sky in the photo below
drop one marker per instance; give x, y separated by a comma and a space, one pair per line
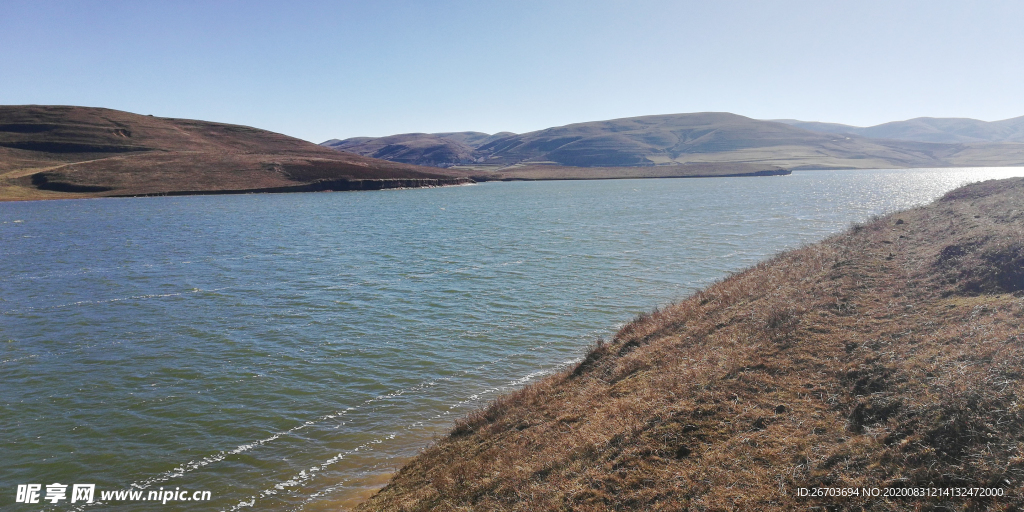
319, 70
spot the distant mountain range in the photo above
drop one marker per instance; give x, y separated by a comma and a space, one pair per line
711, 137
928, 129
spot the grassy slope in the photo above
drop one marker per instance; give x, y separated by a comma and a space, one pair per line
890, 355
88, 152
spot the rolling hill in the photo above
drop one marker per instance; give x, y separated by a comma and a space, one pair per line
411, 148
928, 129
679, 139
433, 149
63, 151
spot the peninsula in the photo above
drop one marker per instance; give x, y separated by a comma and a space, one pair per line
50, 152
885, 357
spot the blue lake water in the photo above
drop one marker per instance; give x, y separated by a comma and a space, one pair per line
288, 351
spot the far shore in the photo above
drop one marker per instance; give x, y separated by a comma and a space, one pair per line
30, 188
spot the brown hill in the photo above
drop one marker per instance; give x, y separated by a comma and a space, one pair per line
59, 151
649, 140
887, 357
411, 148
675, 139
433, 149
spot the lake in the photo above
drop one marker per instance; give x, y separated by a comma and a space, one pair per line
288, 351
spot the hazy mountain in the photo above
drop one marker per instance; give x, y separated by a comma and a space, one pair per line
928, 129
410, 148
648, 140
708, 137
815, 126
433, 149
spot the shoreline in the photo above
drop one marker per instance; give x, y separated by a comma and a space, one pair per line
720, 400
752, 174
13, 191
341, 185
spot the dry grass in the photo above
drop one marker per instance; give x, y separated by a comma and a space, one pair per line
890, 355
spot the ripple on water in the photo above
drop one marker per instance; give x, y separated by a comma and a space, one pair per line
280, 350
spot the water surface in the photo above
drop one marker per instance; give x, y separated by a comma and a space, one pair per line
287, 351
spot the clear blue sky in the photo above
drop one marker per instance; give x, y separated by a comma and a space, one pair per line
319, 70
